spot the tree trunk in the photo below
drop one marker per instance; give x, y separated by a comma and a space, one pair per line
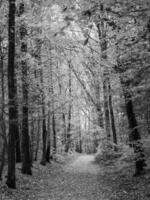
106, 105
134, 136
80, 138
67, 147
2, 120
26, 159
38, 135
103, 46
52, 112
12, 93
43, 161
69, 112
64, 129
48, 150
38, 74
49, 124
54, 133
2, 160
112, 116
44, 132
18, 148
32, 137
18, 151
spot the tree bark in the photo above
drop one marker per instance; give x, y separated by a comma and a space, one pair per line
108, 108
103, 46
2, 120
44, 132
38, 135
48, 150
80, 137
68, 136
49, 124
12, 93
43, 161
106, 105
26, 158
112, 116
32, 135
134, 136
52, 112
54, 133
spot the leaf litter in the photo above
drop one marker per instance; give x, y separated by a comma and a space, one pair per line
73, 179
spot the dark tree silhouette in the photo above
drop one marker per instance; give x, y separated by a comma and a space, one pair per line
12, 93
26, 158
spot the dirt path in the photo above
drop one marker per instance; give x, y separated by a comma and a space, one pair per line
77, 180
84, 164
81, 179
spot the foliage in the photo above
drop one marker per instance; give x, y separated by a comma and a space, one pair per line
83, 67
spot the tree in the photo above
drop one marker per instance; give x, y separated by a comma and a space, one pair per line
26, 158
68, 135
108, 108
44, 131
112, 115
134, 136
2, 118
12, 93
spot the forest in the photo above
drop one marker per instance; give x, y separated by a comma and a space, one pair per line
74, 99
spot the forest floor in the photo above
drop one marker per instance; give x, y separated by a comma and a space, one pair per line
78, 177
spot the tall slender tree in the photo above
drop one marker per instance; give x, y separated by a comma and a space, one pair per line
2, 118
26, 158
134, 135
44, 131
68, 136
12, 93
101, 27
112, 115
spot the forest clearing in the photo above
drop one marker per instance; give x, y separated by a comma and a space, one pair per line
74, 99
